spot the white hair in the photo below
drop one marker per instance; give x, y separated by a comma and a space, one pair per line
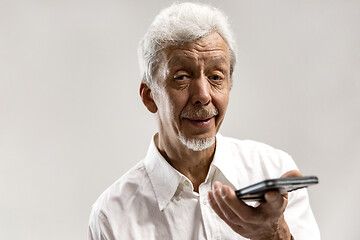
177, 24
197, 144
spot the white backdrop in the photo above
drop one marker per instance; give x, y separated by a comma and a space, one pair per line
71, 120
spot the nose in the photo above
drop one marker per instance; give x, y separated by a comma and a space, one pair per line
200, 91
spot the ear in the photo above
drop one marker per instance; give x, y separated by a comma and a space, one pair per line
147, 98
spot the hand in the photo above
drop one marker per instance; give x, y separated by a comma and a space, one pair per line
265, 221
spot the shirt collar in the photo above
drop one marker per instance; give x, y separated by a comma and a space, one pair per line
165, 179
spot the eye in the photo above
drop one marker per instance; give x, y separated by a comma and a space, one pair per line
215, 77
181, 77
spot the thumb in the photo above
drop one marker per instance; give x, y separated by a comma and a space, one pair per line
291, 173
275, 200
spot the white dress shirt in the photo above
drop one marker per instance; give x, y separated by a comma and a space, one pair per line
154, 201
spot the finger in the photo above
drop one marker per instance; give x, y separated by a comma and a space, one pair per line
275, 202
244, 212
215, 206
218, 211
274, 198
223, 206
291, 173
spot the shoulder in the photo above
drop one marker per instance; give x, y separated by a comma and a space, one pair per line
252, 147
256, 156
125, 201
123, 192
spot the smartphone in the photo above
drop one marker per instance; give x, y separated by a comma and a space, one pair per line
256, 192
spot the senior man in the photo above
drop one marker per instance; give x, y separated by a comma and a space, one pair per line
184, 188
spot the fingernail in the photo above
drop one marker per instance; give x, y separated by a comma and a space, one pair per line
216, 186
223, 192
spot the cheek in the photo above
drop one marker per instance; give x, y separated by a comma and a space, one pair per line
221, 101
221, 105
178, 101
171, 107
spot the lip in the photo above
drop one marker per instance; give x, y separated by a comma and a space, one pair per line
200, 118
200, 121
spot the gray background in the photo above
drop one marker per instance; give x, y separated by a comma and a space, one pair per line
71, 120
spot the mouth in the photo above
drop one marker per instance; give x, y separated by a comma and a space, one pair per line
201, 121
200, 117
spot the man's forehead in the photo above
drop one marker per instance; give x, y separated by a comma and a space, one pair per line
212, 47
180, 58
210, 42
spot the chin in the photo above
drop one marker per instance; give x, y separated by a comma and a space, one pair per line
197, 144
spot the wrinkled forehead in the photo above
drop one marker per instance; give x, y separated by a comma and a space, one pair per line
189, 61
209, 48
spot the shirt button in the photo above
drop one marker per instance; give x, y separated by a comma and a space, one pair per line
204, 201
187, 183
178, 197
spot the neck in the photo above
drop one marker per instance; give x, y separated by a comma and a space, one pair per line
193, 164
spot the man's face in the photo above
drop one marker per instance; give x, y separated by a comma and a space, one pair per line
192, 93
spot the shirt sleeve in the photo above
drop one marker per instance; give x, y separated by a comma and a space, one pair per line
99, 227
299, 216
298, 213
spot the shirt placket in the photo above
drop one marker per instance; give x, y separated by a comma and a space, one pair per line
211, 225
